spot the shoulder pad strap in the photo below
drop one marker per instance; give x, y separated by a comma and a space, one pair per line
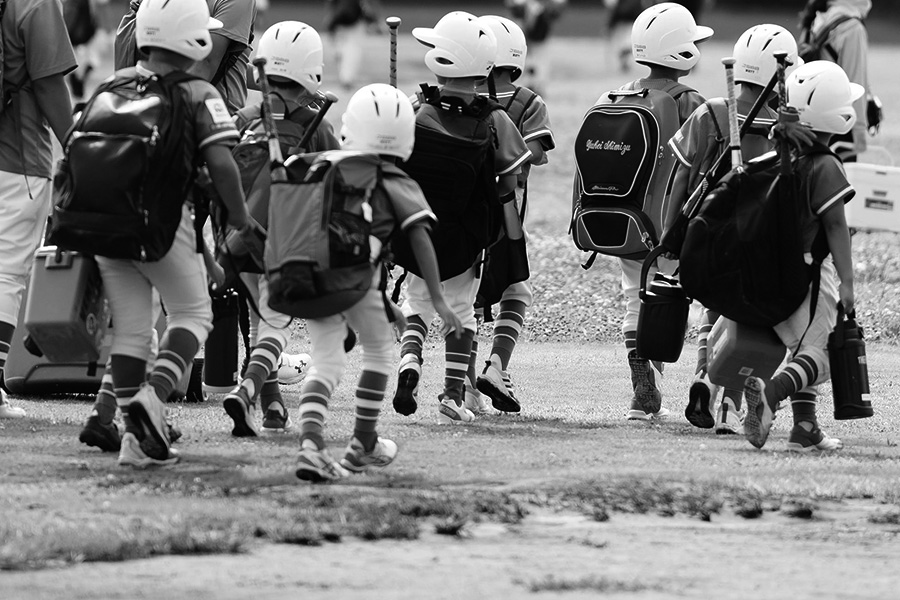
676, 89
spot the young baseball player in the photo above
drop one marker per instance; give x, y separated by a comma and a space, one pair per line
380, 120
175, 36
293, 53
663, 38
824, 97
461, 52
529, 112
34, 105
697, 145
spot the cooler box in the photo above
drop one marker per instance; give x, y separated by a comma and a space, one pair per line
876, 204
66, 313
737, 351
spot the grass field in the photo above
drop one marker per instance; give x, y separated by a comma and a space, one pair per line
565, 500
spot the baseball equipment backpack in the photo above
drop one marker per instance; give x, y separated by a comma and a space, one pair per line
817, 47
623, 167
120, 187
456, 173
743, 252
320, 257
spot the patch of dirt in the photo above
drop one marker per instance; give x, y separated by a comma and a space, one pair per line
837, 553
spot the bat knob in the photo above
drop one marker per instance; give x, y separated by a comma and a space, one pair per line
330, 97
259, 61
728, 61
393, 22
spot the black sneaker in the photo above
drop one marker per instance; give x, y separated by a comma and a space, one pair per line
276, 422
100, 435
407, 386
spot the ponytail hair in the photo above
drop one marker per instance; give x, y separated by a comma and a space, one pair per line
808, 14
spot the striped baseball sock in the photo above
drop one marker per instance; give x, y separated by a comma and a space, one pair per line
413, 337
630, 340
803, 407
472, 372
263, 363
128, 375
369, 398
314, 396
507, 328
707, 320
105, 403
176, 351
270, 395
798, 374
6, 334
456, 358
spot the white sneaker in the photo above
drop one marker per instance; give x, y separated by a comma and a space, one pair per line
131, 454
357, 460
7, 410
293, 368
449, 412
475, 401
491, 383
729, 420
701, 399
636, 414
148, 413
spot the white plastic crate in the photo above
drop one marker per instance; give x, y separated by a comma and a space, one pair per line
876, 205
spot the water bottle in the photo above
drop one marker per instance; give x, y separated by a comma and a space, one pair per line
849, 371
220, 361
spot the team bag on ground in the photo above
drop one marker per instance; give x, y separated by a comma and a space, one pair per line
623, 169
456, 173
120, 187
320, 257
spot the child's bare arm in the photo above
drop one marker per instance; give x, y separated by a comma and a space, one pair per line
678, 195
838, 236
538, 156
423, 250
506, 184
227, 180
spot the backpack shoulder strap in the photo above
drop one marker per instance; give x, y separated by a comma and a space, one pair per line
532, 96
712, 114
676, 89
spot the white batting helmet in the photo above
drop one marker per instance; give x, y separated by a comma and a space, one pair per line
379, 119
511, 45
667, 35
182, 27
460, 46
293, 50
824, 95
754, 53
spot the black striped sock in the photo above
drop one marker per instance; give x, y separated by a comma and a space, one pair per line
314, 396
456, 360
413, 337
262, 365
369, 398
177, 350
507, 328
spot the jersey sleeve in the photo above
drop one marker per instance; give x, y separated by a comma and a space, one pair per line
688, 102
512, 151
42, 23
325, 137
212, 121
828, 185
536, 124
236, 17
408, 202
689, 141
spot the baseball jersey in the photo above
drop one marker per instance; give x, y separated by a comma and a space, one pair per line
705, 135
28, 54
848, 46
824, 187
237, 18
511, 153
400, 204
687, 102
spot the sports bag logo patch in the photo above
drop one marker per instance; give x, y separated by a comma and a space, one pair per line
608, 145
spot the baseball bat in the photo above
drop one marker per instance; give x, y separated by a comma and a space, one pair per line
786, 114
277, 160
734, 135
327, 100
393, 24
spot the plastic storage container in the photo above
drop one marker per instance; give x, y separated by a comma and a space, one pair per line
738, 351
66, 313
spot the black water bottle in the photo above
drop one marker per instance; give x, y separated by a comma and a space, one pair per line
849, 371
220, 361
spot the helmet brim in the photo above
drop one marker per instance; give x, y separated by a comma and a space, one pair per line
425, 35
703, 33
856, 91
214, 24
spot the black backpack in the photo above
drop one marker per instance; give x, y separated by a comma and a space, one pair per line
623, 171
817, 48
119, 190
742, 254
457, 176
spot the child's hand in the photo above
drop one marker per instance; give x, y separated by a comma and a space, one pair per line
399, 321
450, 319
847, 299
